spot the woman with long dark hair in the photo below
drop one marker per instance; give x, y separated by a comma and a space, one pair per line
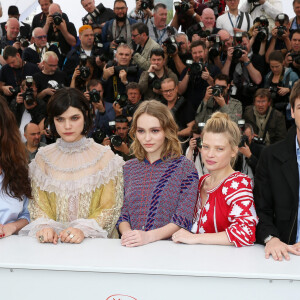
14, 181
77, 184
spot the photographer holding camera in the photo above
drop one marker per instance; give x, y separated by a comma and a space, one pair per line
177, 53
292, 59
83, 73
50, 79
150, 81
96, 14
144, 43
217, 98
117, 74
143, 11
158, 29
280, 81
193, 152
268, 8
250, 148
267, 122
39, 20
198, 75
280, 35
103, 111
15, 70
245, 67
86, 37
59, 30
26, 107
180, 108
187, 13
119, 140
118, 30
129, 104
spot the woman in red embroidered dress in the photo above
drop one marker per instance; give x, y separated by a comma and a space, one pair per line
224, 213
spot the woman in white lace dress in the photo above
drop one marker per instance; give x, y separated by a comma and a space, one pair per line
77, 185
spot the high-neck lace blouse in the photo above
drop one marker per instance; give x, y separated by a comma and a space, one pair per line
77, 184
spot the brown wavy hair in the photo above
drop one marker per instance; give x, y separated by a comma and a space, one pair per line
13, 158
172, 147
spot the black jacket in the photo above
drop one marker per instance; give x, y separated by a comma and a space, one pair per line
276, 191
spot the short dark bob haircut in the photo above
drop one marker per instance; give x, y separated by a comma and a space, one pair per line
62, 100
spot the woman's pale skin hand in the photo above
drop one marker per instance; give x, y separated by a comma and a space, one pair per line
134, 238
183, 236
66, 235
48, 234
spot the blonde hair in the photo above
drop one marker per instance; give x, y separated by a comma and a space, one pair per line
221, 123
172, 147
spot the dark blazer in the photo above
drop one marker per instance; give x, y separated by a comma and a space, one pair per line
276, 190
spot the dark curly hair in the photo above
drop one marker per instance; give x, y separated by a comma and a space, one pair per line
13, 158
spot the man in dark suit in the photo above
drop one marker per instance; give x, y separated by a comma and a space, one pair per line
277, 193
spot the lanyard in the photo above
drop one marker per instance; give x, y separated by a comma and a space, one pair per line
115, 86
158, 40
237, 20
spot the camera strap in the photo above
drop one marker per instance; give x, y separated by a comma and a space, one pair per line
158, 39
115, 86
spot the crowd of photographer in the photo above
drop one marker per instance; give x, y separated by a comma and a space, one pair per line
213, 56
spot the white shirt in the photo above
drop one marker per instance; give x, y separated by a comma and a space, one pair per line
224, 22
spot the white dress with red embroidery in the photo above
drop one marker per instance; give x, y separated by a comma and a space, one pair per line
229, 207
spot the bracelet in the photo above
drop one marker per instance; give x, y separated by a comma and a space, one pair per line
246, 64
194, 15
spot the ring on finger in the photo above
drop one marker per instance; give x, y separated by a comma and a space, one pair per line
71, 236
41, 238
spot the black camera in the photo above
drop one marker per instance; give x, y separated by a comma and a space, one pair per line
130, 70
258, 140
98, 45
115, 140
91, 18
273, 91
145, 4
244, 138
28, 95
154, 81
52, 84
197, 29
171, 45
244, 141
214, 5
122, 100
296, 58
195, 68
238, 49
218, 90
181, 101
84, 70
57, 18
130, 109
94, 96
120, 40
263, 28
198, 142
15, 91
182, 7
98, 136
216, 48
23, 41
281, 30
